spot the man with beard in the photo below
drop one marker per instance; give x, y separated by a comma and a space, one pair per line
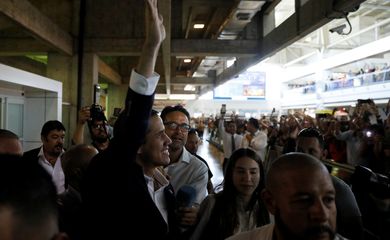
184, 168
49, 154
97, 125
300, 194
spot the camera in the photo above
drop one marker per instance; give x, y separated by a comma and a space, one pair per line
338, 29
97, 113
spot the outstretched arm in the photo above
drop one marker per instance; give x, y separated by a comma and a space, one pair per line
155, 34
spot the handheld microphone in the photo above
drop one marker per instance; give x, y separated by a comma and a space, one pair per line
185, 197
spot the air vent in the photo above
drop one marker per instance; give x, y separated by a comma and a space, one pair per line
243, 16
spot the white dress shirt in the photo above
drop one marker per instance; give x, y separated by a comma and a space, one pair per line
227, 139
258, 143
55, 171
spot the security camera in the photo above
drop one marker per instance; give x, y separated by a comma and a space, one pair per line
338, 29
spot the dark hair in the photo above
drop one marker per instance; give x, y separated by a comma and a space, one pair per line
254, 122
192, 131
313, 132
51, 125
224, 215
4, 133
28, 190
177, 108
153, 113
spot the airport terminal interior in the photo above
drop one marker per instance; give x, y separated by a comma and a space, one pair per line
306, 61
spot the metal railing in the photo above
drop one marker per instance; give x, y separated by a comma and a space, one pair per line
364, 79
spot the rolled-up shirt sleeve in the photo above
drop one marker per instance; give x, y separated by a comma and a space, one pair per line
143, 85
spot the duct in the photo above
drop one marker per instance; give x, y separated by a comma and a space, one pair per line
242, 15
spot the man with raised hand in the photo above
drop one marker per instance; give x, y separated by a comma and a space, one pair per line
117, 202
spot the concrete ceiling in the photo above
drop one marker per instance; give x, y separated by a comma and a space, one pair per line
114, 29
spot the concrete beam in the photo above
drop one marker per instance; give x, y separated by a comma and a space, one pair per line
23, 13
22, 47
113, 46
25, 64
193, 81
110, 74
132, 47
213, 47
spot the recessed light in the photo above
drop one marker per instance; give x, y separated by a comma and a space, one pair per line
187, 60
198, 25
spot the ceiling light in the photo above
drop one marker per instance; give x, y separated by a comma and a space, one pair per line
187, 60
199, 25
189, 87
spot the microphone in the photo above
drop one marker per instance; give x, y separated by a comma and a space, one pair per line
185, 197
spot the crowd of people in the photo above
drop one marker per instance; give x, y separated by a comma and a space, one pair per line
147, 181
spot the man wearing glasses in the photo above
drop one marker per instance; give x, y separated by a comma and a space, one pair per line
184, 168
97, 125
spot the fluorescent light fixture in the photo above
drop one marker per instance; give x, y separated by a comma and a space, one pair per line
230, 62
189, 87
182, 97
207, 96
199, 25
187, 60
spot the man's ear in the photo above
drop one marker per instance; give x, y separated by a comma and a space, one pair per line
139, 150
269, 201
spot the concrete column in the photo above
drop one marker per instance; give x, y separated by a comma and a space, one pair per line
90, 78
64, 69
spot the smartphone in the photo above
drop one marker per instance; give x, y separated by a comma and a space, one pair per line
223, 109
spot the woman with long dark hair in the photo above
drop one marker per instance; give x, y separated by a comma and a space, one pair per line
238, 206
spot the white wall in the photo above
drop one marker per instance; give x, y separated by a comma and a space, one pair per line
42, 100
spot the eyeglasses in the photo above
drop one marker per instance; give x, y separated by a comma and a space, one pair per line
174, 126
98, 126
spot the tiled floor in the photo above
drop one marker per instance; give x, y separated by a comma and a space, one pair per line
214, 158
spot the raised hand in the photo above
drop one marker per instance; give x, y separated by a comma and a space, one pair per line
155, 30
84, 115
155, 34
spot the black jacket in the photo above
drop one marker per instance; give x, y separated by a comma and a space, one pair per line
116, 200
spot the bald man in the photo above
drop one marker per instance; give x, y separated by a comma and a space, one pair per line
10, 143
349, 217
74, 163
300, 194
